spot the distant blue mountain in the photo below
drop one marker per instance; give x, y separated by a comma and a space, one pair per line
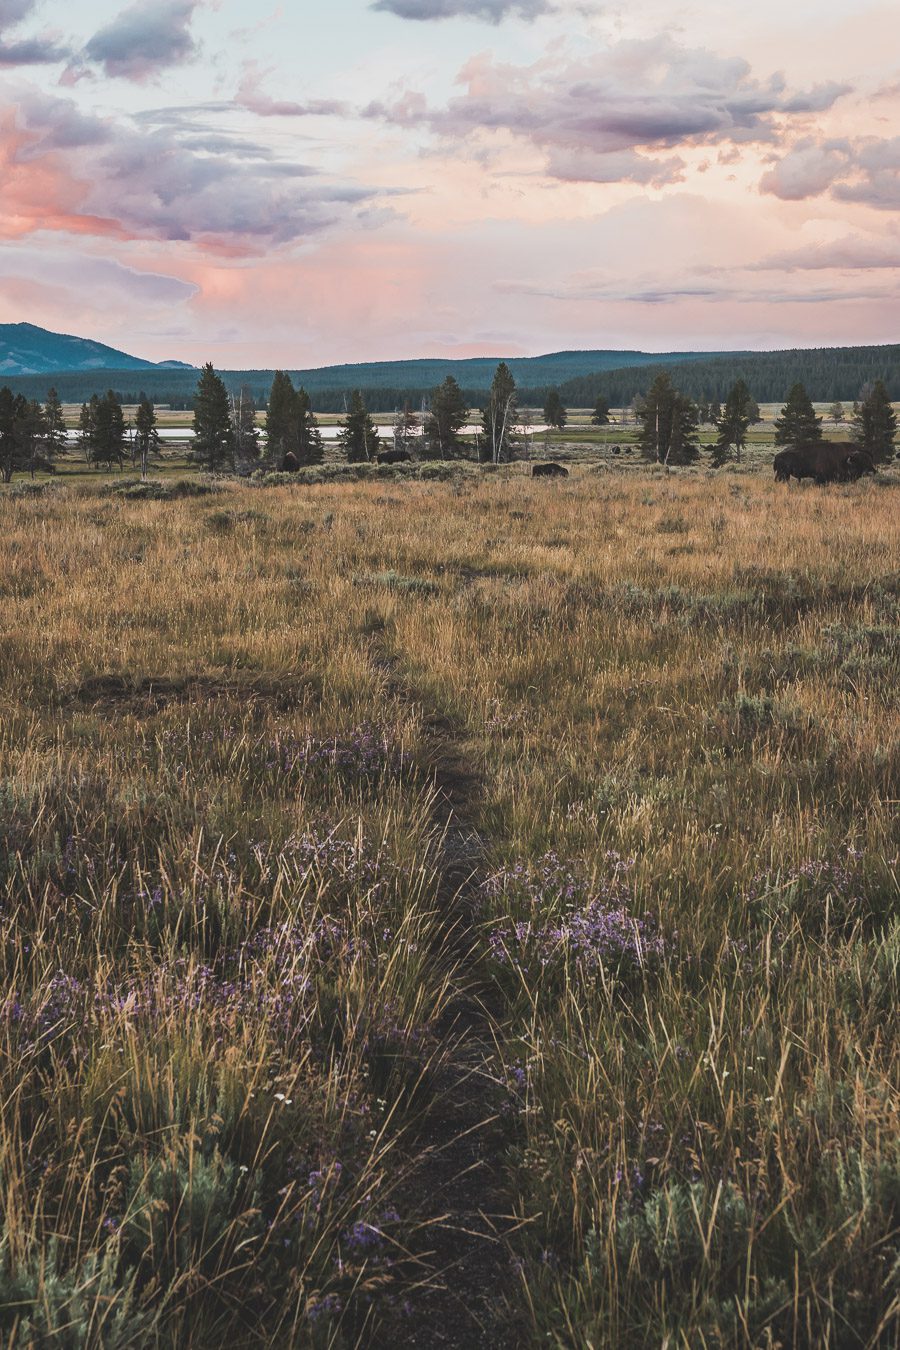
28, 350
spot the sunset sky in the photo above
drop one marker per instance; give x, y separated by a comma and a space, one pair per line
294, 184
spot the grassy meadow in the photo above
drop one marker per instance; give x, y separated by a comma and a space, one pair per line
452, 912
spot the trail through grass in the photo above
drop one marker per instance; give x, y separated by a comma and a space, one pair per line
451, 909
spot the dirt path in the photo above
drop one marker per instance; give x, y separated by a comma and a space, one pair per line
458, 1186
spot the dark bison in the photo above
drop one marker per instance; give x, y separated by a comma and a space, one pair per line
858, 463
550, 470
394, 457
290, 463
617, 449
831, 462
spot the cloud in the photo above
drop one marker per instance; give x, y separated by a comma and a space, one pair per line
252, 97
616, 166
143, 40
864, 171
852, 254
130, 179
807, 170
103, 279
26, 51
594, 117
492, 11
673, 294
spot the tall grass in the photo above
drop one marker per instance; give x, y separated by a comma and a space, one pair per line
225, 945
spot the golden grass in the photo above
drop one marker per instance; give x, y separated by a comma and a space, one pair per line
695, 671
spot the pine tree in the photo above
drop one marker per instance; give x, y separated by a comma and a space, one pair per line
734, 423
290, 424
668, 423
213, 432
715, 412
310, 449
499, 416
798, 424
875, 423
13, 447
600, 415
87, 428
447, 417
836, 412
281, 419
555, 414
358, 437
108, 442
146, 433
33, 430
55, 433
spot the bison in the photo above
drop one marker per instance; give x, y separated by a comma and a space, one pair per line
829, 462
290, 463
858, 463
394, 457
549, 470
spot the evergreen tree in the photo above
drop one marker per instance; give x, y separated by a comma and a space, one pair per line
703, 411
600, 415
87, 428
108, 443
715, 412
13, 442
146, 433
668, 423
55, 424
499, 416
875, 423
555, 414
798, 424
447, 417
291, 425
310, 449
734, 423
836, 412
33, 430
358, 437
213, 432
281, 419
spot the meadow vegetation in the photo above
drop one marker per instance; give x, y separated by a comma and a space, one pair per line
244, 736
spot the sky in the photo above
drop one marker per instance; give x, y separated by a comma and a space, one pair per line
294, 184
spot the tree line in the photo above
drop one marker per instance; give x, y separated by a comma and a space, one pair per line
829, 374
227, 435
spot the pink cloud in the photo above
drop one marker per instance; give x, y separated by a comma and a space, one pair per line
596, 117
137, 180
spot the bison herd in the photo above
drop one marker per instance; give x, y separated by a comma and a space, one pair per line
828, 462
836, 462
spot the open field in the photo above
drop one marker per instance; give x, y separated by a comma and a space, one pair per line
452, 913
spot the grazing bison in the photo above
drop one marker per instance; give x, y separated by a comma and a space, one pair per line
617, 449
858, 463
830, 462
290, 463
394, 457
550, 470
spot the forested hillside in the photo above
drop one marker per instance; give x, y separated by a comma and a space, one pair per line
828, 373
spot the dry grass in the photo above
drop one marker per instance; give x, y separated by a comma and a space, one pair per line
219, 867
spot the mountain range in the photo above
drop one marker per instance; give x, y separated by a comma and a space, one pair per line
31, 359
28, 350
